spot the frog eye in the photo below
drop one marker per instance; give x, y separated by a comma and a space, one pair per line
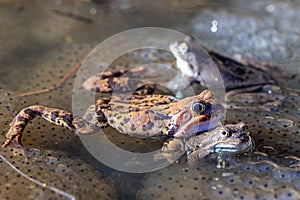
225, 133
183, 48
245, 128
198, 108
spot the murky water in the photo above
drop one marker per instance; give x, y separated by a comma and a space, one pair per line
41, 42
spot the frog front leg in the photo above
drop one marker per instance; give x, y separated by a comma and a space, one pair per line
56, 116
173, 149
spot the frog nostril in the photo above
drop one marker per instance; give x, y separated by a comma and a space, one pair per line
243, 126
243, 137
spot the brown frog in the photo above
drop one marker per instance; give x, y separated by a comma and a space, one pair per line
135, 115
224, 139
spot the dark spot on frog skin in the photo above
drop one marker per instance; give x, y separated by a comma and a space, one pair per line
126, 120
159, 116
144, 128
133, 109
54, 115
150, 125
111, 121
101, 119
23, 119
150, 111
68, 119
29, 112
132, 127
110, 81
171, 132
97, 89
117, 74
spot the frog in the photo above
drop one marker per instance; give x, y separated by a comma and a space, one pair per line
224, 139
141, 114
136, 115
243, 78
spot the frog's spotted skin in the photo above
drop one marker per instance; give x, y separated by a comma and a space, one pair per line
54, 115
137, 115
231, 138
111, 81
149, 115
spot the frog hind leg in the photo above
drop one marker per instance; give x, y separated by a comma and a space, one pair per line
125, 81
120, 81
53, 115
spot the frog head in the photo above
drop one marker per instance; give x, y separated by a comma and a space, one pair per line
189, 54
231, 138
197, 114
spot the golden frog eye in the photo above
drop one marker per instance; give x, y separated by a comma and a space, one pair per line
225, 133
183, 48
198, 108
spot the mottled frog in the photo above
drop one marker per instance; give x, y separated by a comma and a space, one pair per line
229, 138
135, 115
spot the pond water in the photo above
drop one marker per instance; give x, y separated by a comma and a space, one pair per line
42, 42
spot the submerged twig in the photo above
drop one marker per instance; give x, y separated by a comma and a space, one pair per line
72, 16
61, 82
44, 185
66, 77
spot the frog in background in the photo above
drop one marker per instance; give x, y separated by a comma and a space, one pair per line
245, 81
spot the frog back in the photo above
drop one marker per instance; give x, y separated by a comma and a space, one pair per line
140, 115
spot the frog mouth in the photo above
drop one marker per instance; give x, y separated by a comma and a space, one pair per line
196, 126
234, 146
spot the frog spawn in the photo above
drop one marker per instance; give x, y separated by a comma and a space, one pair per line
51, 168
46, 164
247, 180
271, 171
59, 177
267, 131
